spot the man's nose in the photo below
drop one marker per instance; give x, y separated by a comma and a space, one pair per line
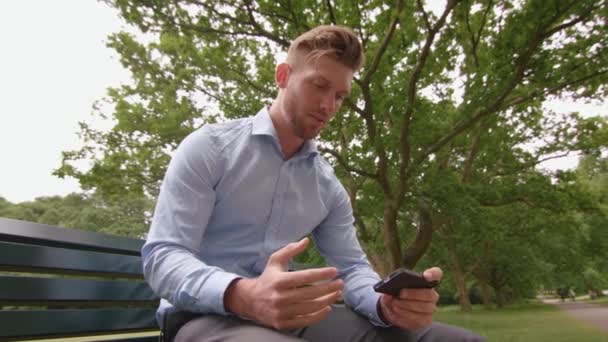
328, 104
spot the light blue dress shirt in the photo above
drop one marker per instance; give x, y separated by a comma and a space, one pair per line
229, 199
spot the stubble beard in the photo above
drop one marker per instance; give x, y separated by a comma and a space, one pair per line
299, 127
301, 132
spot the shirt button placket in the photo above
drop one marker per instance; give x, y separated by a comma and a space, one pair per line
277, 209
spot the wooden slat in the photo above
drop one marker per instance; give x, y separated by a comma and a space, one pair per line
45, 235
148, 336
49, 323
21, 257
28, 289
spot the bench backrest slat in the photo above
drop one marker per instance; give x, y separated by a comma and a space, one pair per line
42, 234
32, 258
28, 289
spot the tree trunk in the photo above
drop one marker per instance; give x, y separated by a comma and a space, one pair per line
379, 263
459, 279
391, 238
463, 293
412, 254
500, 297
485, 293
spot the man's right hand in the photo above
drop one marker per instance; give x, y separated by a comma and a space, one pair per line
282, 299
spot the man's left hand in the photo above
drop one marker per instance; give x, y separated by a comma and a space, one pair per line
414, 308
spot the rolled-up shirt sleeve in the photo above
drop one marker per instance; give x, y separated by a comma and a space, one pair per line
337, 241
182, 212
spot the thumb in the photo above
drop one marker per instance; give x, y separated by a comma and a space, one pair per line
281, 257
433, 273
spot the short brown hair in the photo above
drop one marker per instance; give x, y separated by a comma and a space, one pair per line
338, 42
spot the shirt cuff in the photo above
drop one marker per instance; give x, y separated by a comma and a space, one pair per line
211, 298
380, 314
372, 306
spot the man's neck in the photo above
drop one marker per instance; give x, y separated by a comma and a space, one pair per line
290, 143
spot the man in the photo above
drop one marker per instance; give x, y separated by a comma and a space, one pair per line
237, 203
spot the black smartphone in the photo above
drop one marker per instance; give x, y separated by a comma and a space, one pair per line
403, 279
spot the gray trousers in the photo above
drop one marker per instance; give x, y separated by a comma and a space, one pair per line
342, 324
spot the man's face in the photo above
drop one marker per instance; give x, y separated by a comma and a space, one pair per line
314, 93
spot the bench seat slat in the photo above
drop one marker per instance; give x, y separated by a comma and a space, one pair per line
16, 256
138, 336
28, 289
74, 322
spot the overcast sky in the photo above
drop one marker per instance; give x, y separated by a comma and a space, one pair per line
53, 65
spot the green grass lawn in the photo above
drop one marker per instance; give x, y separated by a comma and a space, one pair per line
523, 322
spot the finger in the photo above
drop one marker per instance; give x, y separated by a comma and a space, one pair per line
308, 307
410, 320
433, 273
423, 295
303, 321
314, 291
281, 257
385, 303
402, 306
306, 277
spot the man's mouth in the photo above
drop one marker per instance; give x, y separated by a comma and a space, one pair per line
319, 119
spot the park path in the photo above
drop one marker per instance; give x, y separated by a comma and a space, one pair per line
592, 313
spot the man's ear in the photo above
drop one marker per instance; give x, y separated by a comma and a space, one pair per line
281, 75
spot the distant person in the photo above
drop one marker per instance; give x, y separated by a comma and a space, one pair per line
562, 292
572, 294
236, 204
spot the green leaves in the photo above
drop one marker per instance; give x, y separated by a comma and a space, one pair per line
443, 112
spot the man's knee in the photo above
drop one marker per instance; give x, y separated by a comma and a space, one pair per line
228, 328
444, 332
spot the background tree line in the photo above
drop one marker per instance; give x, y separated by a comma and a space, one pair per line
438, 145
125, 216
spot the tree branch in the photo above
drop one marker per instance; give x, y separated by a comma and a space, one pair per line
385, 41
259, 31
550, 91
570, 23
533, 164
360, 29
350, 104
247, 79
520, 66
236, 33
472, 37
467, 171
295, 17
219, 99
425, 15
342, 161
257, 25
332, 16
476, 38
405, 148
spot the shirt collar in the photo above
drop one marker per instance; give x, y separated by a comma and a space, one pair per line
262, 125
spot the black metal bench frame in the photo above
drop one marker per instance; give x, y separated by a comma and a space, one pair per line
58, 283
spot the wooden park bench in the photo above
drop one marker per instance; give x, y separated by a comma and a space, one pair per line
58, 283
